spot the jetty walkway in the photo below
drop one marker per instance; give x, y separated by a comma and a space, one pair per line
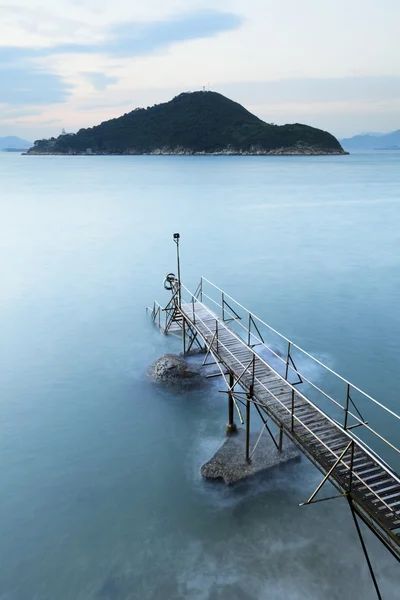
258, 379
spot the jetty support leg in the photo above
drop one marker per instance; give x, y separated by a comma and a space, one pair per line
184, 335
360, 536
231, 425
280, 443
248, 404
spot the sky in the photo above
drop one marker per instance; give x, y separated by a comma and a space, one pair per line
333, 64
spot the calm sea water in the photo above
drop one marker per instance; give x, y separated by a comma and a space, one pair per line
100, 492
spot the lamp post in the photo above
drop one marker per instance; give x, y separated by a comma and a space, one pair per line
176, 240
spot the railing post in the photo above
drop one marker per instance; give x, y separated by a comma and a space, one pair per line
194, 315
201, 289
223, 305
249, 334
287, 361
216, 332
346, 415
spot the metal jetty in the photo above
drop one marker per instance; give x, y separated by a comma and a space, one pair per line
258, 365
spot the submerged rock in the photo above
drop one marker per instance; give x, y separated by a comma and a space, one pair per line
173, 370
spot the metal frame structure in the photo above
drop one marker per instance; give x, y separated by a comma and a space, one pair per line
173, 322
236, 340
252, 331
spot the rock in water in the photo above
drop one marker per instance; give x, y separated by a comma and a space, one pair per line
229, 464
173, 370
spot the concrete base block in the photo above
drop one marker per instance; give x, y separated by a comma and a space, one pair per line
231, 428
229, 463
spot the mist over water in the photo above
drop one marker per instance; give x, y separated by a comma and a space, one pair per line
101, 496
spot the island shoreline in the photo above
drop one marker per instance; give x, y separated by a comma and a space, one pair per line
307, 152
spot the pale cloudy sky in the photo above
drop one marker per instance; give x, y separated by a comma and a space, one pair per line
334, 64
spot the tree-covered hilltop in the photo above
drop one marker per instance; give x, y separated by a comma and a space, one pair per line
192, 123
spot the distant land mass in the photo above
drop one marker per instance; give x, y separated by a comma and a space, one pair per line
384, 141
12, 142
192, 123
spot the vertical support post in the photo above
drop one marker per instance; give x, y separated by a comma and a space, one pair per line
201, 289
351, 467
346, 414
249, 335
184, 335
280, 444
176, 240
223, 305
231, 426
194, 315
364, 547
248, 406
292, 410
287, 361
216, 332
248, 429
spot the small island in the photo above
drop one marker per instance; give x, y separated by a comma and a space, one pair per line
197, 123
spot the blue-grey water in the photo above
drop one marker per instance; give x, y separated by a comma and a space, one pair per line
100, 492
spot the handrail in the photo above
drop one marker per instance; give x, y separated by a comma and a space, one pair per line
294, 345
156, 310
345, 432
351, 435
284, 362
304, 378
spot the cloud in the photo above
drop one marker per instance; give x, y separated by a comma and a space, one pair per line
306, 90
50, 121
39, 21
7, 111
100, 81
129, 39
99, 105
25, 85
138, 38
26, 81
